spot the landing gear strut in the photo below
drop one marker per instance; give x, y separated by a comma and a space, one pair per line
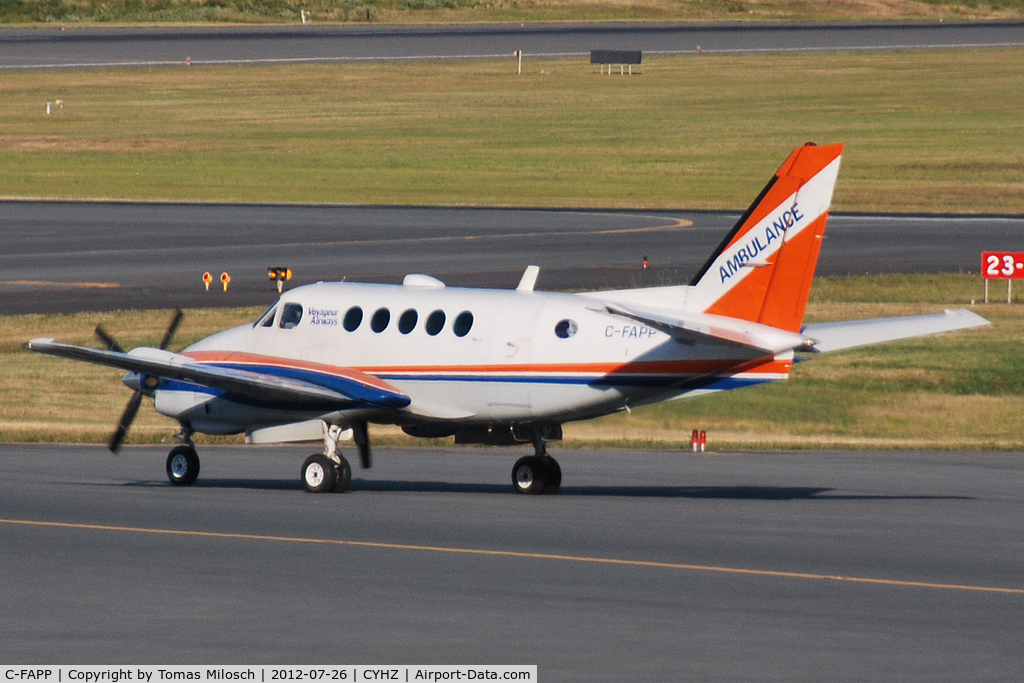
538, 473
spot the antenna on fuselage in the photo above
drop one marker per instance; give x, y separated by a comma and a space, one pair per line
529, 279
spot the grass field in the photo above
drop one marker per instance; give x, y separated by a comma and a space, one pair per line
961, 390
128, 12
925, 131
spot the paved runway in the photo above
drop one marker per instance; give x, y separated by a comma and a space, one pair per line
73, 256
646, 566
77, 47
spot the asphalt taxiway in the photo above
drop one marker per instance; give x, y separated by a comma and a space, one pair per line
646, 566
64, 257
76, 47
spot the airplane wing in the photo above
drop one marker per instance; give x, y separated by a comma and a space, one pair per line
273, 380
851, 333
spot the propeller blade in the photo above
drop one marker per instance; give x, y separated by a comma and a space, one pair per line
109, 341
171, 329
126, 421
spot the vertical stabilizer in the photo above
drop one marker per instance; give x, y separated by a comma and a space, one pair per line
762, 271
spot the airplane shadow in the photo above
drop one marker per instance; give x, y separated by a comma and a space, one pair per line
771, 493
254, 484
713, 492
691, 492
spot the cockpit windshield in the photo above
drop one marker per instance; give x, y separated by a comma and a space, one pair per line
266, 318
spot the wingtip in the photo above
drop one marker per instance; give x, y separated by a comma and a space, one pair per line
32, 343
968, 314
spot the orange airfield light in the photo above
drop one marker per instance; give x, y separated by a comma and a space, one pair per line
279, 274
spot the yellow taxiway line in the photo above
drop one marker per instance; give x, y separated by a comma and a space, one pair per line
522, 555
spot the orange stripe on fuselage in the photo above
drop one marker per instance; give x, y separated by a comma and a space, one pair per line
241, 358
365, 375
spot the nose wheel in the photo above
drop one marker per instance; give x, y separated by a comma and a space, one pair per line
182, 465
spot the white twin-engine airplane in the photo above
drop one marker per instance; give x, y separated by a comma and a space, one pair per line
504, 367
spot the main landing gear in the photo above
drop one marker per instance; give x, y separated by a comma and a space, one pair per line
321, 474
330, 471
538, 473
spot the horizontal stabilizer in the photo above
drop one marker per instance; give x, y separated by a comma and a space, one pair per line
852, 333
704, 328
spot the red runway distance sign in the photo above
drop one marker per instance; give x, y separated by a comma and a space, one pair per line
1002, 265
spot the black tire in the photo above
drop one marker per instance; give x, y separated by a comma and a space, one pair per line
553, 477
344, 479
529, 475
182, 465
319, 473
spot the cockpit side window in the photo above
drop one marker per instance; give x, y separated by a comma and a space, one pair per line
290, 316
266, 319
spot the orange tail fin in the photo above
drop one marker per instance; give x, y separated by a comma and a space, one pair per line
763, 269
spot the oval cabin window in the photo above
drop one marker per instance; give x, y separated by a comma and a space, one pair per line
407, 321
566, 328
435, 323
379, 321
353, 319
463, 324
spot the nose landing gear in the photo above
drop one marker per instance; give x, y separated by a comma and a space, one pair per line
182, 465
183, 461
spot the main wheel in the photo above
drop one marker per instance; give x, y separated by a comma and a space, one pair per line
344, 471
182, 465
529, 475
319, 473
553, 476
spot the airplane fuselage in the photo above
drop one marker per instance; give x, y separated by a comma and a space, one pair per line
467, 356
